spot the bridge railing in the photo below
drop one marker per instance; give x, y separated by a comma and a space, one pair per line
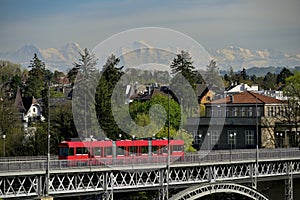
201, 157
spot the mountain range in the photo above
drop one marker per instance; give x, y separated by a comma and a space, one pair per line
238, 58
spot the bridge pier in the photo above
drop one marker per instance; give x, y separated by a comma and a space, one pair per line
289, 182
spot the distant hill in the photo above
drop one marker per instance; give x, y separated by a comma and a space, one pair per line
262, 71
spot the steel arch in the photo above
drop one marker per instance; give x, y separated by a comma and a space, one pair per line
207, 189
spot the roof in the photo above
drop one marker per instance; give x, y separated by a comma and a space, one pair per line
201, 90
247, 98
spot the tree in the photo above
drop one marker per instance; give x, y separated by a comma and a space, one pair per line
269, 81
244, 74
84, 95
10, 126
183, 64
292, 91
284, 73
37, 80
213, 76
110, 76
62, 125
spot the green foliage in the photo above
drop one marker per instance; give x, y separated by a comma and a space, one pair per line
183, 64
213, 76
140, 114
285, 73
38, 78
83, 95
269, 81
178, 134
62, 124
109, 78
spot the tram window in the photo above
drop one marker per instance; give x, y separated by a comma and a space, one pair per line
63, 151
120, 151
71, 151
177, 148
155, 149
132, 150
108, 151
81, 150
97, 151
164, 149
144, 149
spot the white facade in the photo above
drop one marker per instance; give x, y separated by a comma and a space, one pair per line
241, 88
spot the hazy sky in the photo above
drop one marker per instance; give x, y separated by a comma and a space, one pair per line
254, 24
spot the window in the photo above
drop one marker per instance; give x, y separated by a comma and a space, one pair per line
108, 151
235, 112
33, 110
154, 149
177, 148
66, 151
132, 150
198, 136
121, 151
258, 111
215, 134
243, 112
97, 151
228, 112
144, 149
231, 134
249, 137
250, 112
81, 150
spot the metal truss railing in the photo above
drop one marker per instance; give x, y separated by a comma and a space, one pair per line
27, 178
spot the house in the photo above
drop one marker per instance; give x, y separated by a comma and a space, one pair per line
29, 108
203, 93
238, 121
235, 89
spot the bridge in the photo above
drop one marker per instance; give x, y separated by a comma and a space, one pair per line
202, 173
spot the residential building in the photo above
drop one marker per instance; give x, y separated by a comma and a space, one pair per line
240, 121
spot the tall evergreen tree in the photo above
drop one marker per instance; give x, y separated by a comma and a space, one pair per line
84, 95
284, 73
183, 64
213, 76
111, 74
37, 78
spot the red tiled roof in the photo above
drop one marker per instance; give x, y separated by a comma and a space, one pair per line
249, 98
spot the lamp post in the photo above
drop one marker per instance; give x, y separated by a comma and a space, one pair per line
232, 140
208, 141
199, 139
4, 137
48, 146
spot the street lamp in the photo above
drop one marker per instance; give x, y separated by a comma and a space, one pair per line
208, 141
232, 140
4, 137
199, 138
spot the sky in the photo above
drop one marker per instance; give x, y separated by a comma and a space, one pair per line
215, 24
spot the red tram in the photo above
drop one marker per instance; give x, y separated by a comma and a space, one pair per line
120, 151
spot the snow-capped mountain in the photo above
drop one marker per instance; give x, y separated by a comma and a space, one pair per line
55, 59
63, 58
239, 58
